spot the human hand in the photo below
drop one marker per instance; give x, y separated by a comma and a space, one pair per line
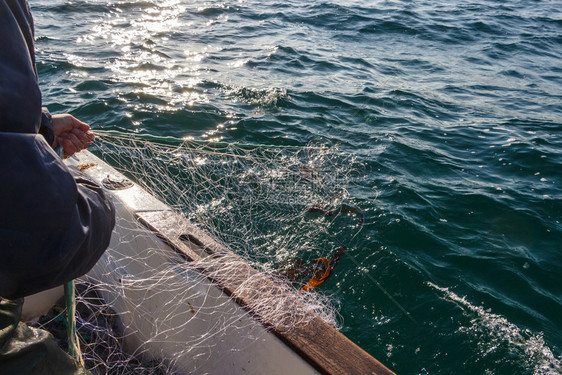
72, 134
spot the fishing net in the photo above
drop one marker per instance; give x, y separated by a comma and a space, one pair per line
284, 211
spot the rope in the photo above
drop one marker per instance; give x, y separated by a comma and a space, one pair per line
168, 140
73, 346
70, 301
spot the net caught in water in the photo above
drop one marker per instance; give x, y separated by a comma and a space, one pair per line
285, 211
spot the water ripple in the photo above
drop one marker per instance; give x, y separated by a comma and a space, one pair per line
452, 108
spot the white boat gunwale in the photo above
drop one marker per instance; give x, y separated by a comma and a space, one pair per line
325, 348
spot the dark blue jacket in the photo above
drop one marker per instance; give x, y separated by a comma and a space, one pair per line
53, 226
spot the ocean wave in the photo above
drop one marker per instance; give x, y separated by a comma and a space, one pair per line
495, 334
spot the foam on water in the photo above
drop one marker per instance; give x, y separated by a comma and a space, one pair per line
494, 333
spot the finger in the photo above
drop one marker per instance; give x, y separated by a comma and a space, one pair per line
67, 146
78, 145
81, 125
71, 144
73, 123
66, 122
82, 137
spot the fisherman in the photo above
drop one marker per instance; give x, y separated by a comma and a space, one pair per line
53, 226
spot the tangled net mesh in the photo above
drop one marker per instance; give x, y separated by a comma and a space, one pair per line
277, 209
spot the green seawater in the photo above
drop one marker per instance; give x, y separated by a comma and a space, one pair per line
453, 108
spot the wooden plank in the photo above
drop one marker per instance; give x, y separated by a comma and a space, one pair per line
321, 345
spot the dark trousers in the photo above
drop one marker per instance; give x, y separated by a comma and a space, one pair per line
26, 350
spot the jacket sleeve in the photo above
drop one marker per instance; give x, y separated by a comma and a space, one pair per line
46, 129
53, 227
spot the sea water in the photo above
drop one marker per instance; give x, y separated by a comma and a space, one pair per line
454, 108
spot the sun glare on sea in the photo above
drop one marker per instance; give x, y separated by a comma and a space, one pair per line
138, 35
